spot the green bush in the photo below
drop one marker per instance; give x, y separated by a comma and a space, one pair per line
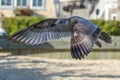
111, 27
13, 24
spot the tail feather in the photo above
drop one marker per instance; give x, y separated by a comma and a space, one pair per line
98, 43
105, 37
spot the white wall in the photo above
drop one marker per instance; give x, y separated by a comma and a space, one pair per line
104, 6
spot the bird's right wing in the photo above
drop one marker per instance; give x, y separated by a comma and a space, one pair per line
49, 29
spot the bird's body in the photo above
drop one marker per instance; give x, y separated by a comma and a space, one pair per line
84, 34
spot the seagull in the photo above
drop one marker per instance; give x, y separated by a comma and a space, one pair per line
83, 33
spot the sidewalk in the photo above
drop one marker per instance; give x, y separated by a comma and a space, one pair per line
33, 68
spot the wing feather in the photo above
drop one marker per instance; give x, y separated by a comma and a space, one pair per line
81, 45
41, 32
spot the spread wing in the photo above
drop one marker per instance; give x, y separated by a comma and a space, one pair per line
82, 42
42, 31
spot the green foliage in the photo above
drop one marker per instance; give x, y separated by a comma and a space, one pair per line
111, 27
13, 24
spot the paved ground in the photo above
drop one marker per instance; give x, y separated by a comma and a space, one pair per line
32, 68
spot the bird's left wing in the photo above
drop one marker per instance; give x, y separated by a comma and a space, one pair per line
42, 31
81, 45
82, 42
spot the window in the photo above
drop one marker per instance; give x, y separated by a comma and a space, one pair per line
6, 2
38, 4
21, 2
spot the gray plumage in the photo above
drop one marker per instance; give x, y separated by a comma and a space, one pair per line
84, 34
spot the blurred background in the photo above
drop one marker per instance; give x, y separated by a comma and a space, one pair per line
52, 59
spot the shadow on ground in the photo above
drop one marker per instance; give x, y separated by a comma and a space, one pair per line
21, 68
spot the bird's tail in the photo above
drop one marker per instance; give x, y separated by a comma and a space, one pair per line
105, 37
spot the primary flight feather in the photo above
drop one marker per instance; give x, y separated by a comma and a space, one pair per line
84, 34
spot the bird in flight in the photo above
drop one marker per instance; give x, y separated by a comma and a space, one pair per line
84, 34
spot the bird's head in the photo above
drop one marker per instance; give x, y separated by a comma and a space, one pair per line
72, 22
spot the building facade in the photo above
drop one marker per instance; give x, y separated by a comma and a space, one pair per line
90, 9
107, 10
38, 7
48, 8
